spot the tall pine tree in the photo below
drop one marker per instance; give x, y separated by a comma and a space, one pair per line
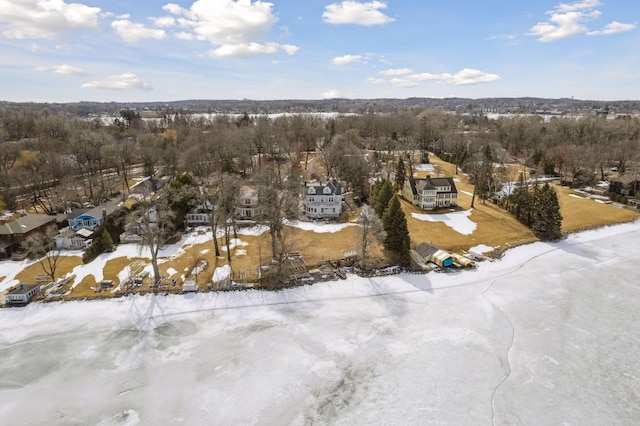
397, 240
384, 194
401, 174
547, 220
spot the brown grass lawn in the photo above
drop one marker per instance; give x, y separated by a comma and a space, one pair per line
581, 213
496, 227
66, 265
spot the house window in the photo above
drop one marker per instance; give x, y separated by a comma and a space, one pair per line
331, 199
247, 201
311, 199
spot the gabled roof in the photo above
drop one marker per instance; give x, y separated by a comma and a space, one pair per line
76, 212
247, 191
98, 211
425, 249
318, 188
421, 184
26, 224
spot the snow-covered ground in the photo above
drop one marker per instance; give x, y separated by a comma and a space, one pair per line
547, 335
458, 221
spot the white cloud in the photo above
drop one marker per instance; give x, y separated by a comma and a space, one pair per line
614, 28
331, 94
353, 12
63, 69
508, 37
375, 81
580, 5
44, 18
235, 28
251, 49
463, 77
132, 32
346, 59
402, 82
567, 20
124, 81
164, 22
396, 71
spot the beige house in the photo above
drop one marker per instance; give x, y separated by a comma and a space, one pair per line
248, 205
431, 193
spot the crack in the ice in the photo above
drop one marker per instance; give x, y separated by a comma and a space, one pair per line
509, 369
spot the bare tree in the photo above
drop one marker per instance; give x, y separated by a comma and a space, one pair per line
42, 246
156, 227
372, 231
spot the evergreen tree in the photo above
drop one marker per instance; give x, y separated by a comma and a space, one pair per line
384, 194
397, 240
375, 189
401, 174
547, 220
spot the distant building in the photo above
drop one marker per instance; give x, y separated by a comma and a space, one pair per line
13, 233
431, 193
22, 294
323, 201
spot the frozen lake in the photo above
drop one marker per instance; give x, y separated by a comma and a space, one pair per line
548, 335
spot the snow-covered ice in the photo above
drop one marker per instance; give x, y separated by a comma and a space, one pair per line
547, 335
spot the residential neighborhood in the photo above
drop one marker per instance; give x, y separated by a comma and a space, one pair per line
217, 192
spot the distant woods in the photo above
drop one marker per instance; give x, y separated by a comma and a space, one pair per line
54, 162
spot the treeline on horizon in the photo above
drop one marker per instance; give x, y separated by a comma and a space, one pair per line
340, 105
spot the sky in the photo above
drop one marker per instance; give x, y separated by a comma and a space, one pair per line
151, 50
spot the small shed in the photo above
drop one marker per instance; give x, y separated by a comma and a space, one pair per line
22, 294
106, 284
190, 286
222, 278
434, 254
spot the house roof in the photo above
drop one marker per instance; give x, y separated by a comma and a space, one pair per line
420, 184
624, 179
26, 224
76, 212
85, 233
105, 208
247, 191
23, 289
426, 249
66, 233
318, 188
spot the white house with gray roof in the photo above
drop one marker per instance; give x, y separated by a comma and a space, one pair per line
323, 201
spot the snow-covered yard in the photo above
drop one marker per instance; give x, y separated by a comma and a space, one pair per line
547, 335
458, 221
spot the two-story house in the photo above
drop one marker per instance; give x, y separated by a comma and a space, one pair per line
323, 201
200, 215
431, 193
248, 208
